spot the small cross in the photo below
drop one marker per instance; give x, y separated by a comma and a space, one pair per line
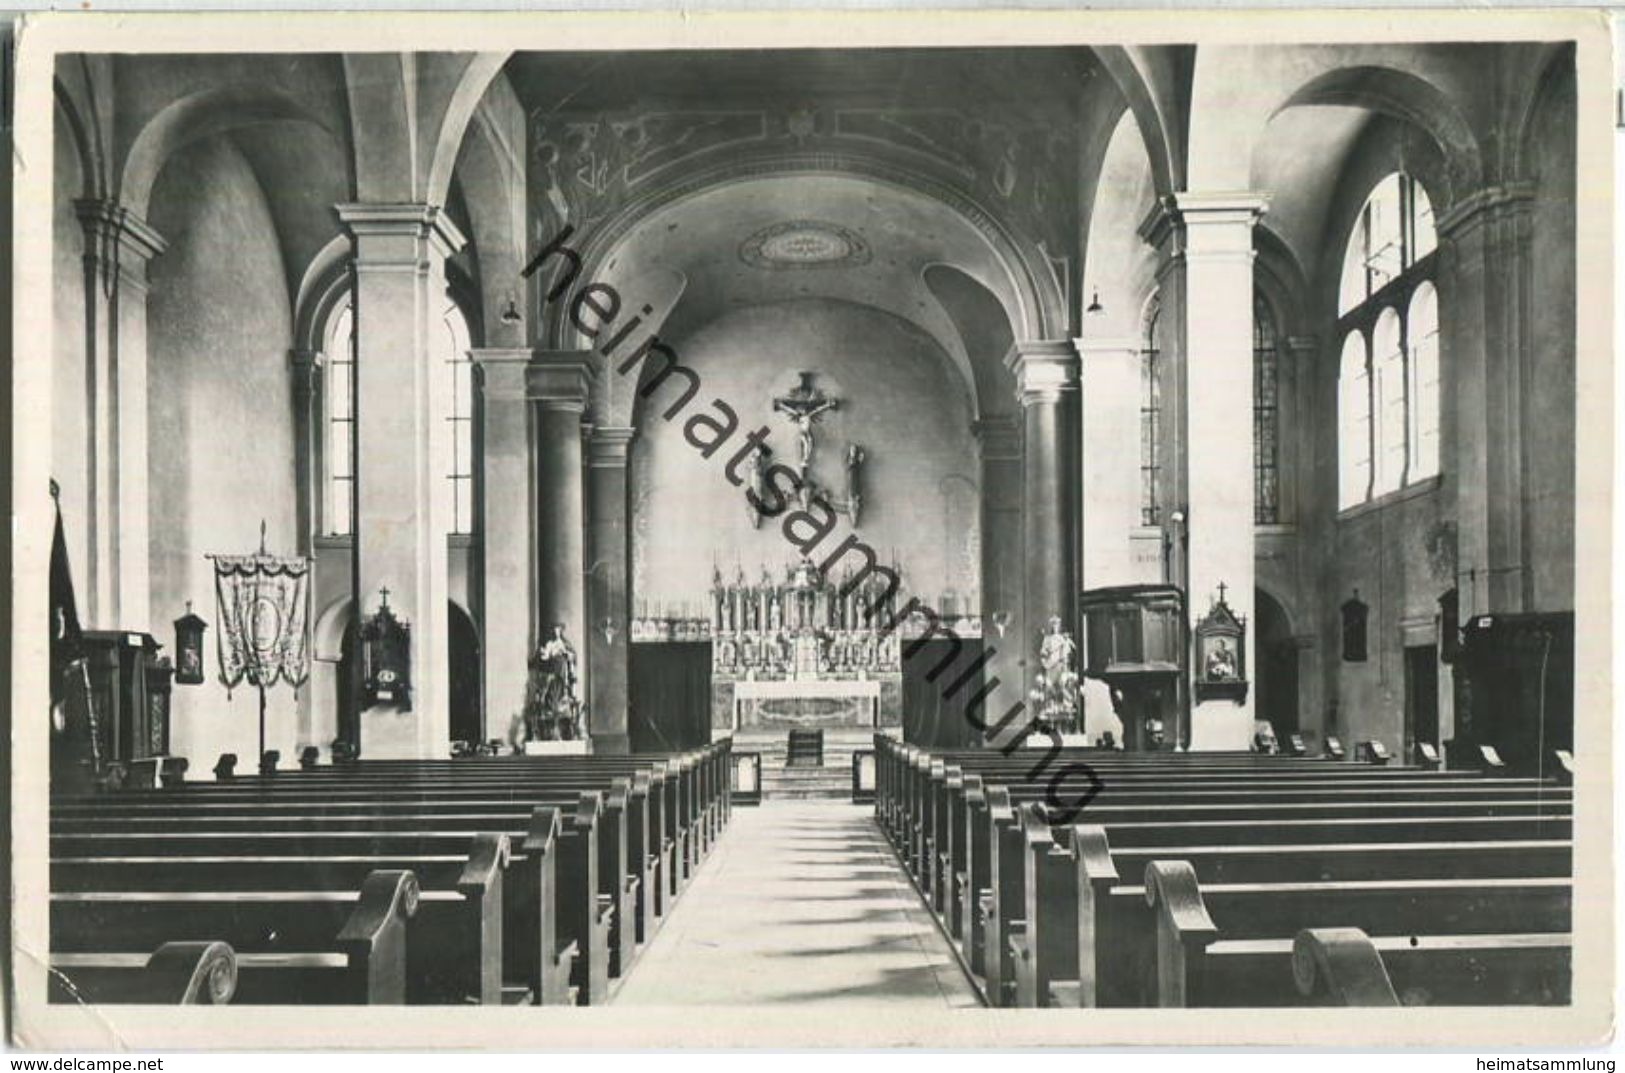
1222, 588
383, 593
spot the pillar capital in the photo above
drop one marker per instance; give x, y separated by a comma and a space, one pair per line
1219, 225
307, 370
380, 226
118, 243
610, 445
559, 379
1303, 345
110, 221
1044, 370
503, 372
999, 436
1483, 205
1105, 346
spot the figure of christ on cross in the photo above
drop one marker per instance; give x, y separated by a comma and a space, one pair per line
803, 404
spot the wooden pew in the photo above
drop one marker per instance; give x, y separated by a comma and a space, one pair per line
909, 785
1345, 967
642, 899
177, 974
454, 948
1070, 892
534, 953
581, 911
1207, 953
334, 946
1011, 829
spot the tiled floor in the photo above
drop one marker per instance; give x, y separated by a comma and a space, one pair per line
801, 902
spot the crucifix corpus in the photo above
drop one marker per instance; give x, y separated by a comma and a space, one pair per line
803, 405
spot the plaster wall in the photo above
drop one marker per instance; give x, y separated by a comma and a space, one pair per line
221, 427
68, 383
900, 399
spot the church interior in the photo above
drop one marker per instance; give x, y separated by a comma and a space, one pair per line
916, 474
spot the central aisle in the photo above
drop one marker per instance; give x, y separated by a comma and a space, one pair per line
800, 902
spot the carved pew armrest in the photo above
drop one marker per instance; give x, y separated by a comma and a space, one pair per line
1183, 928
374, 937
1340, 967
192, 974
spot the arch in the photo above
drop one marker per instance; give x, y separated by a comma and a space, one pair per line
324, 286
196, 116
465, 694
327, 636
1127, 67
1554, 72
983, 329
1120, 266
481, 69
1277, 664
1035, 304
86, 147
1279, 277
1406, 97
490, 173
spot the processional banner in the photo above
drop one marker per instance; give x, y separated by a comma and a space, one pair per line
263, 603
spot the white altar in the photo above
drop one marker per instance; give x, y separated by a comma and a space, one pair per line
753, 701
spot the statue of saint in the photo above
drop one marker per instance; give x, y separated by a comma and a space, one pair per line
552, 706
1059, 682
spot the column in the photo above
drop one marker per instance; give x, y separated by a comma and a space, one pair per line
608, 449
506, 537
557, 383
998, 438
403, 503
1483, 278
1046, 387
1218, 435
1109, 411
118, 248
306, 368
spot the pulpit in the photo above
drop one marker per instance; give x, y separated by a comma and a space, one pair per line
118, 710
1134, 642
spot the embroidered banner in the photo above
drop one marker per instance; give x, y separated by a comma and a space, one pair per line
263, 604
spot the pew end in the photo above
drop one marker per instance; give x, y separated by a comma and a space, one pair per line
1340, 967
177, 974
1183, 928
225, 768
374, 937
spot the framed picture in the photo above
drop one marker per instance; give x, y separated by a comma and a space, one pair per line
1221, 654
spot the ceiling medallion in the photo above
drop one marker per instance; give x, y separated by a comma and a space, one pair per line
804, 244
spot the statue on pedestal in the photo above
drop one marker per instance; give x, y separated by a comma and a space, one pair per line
552, 705
1058, 680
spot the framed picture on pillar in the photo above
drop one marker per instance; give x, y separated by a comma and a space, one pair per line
1221, 654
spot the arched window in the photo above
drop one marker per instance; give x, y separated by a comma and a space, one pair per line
1388, 366
339, 448
1422, 325
1387, 295
458, 466
1354, 422
1266, 417
1150, 429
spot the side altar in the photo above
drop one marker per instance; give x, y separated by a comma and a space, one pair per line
803, 651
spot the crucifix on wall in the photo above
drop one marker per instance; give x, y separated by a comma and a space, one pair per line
803, 404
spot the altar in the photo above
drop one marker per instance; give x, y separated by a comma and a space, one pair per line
803, 651
791, 704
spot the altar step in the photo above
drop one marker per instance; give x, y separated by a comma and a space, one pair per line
779, 780
802, 783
